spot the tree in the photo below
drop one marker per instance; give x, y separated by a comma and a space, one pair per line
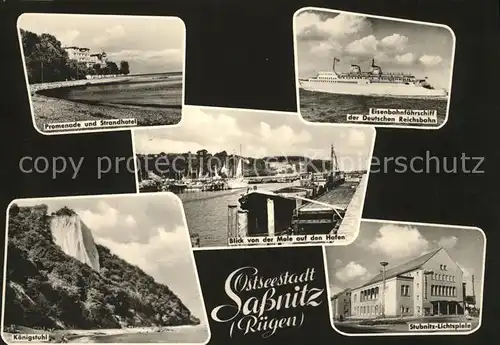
124, 67
97, 68
45, 58
111, 68
13, 210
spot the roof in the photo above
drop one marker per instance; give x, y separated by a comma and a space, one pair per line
263, 192
340, 293
403, 268
75, 47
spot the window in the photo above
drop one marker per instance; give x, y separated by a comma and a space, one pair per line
355, 297
417, 285
418, 310
405, 290
441, 267
418, 297
444, 266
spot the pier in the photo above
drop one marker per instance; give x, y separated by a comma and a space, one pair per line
302, 210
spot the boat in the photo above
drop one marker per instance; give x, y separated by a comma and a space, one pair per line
146, 186
317, 206
238, 181
371, 83
224, 171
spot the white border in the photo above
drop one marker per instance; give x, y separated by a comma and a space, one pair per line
104, 196
374, 334
114, 129
306, 124
295, 53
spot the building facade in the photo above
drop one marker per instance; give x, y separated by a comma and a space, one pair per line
282, 167
341, 305
428, 285
83, 55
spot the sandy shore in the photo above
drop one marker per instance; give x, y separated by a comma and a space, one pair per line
90, 336
48, 110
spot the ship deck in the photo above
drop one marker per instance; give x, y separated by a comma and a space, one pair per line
339, 198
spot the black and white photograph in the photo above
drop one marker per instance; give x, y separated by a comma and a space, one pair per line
258, 177
407, 279
101, 269
102, 72
363, 69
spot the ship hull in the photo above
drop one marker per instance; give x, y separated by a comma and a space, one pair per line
237, 184
385, 90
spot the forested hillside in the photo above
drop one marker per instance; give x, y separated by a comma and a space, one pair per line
47, 288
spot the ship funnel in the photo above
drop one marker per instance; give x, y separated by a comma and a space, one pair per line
375, 69
335, 59
355, 69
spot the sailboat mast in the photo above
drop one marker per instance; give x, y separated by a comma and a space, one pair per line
335, 164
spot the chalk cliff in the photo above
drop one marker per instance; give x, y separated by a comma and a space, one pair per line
57, 277
75, 239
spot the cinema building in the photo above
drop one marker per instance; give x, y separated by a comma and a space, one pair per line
431, 284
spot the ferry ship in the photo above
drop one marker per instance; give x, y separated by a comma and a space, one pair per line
371, 83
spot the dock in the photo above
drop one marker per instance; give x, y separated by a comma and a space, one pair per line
350, 224
297, 210
324, 214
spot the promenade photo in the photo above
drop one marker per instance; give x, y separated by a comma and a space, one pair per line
101, 269
407, 278
258, 177
102, 72
363, 69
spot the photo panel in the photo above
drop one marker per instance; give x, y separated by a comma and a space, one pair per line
354, 68
402, 278
258, 178
101, 269
87, 73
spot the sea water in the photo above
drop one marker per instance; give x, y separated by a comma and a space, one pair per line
333, 108
155, 90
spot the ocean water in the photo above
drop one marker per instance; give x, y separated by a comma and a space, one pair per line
333, 108
207, 212
154, 90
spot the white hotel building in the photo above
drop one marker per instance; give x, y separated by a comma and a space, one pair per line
431, 284
83, 55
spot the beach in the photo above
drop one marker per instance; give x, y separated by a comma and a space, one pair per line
172, 334
49, 104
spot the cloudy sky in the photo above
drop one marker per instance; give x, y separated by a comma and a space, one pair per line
145, 230
423, 50
352, 265
149, 44
260, 134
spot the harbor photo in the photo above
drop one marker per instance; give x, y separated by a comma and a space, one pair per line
363, 69
258, 177
101, 269
102, 72
401, 278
